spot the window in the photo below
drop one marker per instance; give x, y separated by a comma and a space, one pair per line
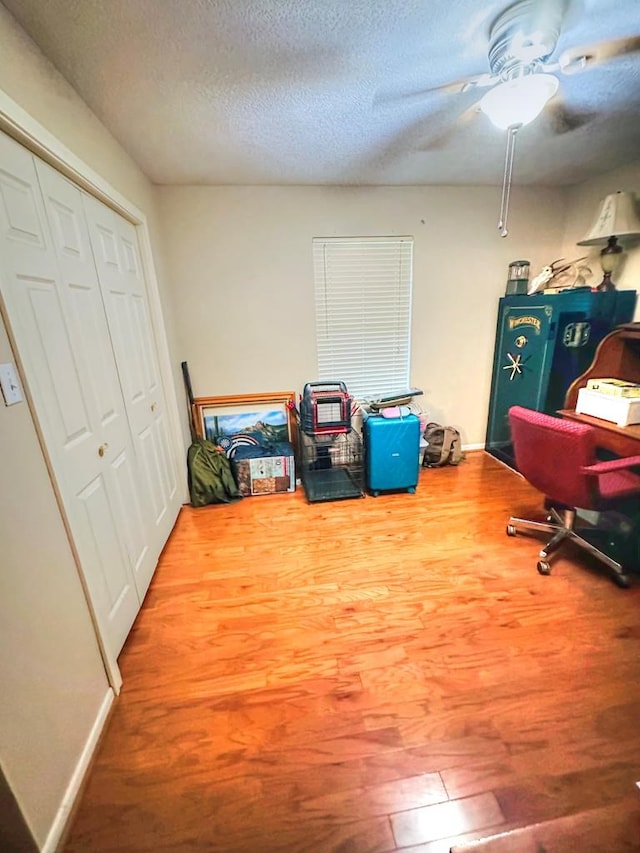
363, 312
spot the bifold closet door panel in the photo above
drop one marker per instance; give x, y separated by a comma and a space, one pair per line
59, 326
87, 321
121, 278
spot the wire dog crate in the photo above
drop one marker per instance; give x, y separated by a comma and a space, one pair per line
332, 466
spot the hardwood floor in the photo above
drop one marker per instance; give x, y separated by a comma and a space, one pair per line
366, 675
615, 828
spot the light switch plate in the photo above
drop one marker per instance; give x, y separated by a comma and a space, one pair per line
11, 390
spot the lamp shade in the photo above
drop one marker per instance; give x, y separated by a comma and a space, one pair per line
518, 101
617, 217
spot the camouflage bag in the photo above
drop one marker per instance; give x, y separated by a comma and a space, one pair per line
210, 477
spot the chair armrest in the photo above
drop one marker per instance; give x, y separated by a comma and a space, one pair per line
611, 465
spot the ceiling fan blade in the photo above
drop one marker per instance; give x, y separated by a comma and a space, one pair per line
455, 87
479, 81
439, 140
579, 58
562, 119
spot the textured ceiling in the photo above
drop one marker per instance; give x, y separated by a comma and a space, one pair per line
330, 91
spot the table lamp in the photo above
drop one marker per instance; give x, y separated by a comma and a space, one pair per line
616, 217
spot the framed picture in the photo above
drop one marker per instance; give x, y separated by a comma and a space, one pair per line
236, 420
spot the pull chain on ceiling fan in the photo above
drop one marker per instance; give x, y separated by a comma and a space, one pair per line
506, 179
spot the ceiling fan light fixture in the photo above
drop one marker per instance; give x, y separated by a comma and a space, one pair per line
518, 101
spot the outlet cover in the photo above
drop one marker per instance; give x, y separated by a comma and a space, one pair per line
11, 390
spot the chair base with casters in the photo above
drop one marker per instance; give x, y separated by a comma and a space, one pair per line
561, 528
559, 458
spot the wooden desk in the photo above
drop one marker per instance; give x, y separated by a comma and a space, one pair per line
623, 441
618, 356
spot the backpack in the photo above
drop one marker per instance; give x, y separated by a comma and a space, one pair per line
210, 478
443, 446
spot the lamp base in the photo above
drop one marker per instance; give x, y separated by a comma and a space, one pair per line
610, 258
606, 283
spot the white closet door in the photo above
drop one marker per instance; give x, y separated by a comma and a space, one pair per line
87, 321
59, 325
115, 250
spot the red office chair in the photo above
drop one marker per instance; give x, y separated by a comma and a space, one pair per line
558, 458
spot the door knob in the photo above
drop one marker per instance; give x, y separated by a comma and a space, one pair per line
153, 407
102, 449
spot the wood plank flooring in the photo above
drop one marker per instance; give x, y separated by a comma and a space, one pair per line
366, 675
611, 828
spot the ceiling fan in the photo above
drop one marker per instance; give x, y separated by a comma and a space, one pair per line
522, 79
522, 40
527, 32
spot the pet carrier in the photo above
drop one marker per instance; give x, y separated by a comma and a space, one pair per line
332, 466
325, 407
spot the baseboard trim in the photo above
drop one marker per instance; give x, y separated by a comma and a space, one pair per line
59, 825
466, 447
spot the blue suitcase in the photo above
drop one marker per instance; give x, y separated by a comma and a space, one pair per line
392, 448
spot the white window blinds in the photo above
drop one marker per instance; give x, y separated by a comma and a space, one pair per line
363, 312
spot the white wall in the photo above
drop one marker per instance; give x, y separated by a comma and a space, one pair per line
52, 677
241, 261
583, 203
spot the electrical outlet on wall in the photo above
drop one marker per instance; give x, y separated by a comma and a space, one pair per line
11, 390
